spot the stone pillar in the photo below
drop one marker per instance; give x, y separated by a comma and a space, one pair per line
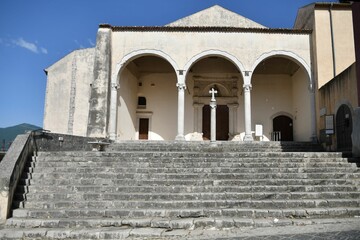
113, 110
181, 111
247, 107
100, 89
213, 121
355, 136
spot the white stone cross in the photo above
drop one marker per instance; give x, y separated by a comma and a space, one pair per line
212, 92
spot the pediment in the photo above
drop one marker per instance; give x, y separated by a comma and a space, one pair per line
215, 16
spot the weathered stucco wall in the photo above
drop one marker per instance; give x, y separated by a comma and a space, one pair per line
334, 44
127, 103
341, 90
68, 92
183, 46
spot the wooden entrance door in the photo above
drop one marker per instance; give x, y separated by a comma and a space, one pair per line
284, 125
222, 122
344, 128
144, 128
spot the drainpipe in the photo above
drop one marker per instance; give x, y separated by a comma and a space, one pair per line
332, 39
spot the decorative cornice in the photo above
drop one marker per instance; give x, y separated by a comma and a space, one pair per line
204, 29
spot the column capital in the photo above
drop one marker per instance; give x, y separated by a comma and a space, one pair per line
213, 104
247, 86
114, 86
181, 86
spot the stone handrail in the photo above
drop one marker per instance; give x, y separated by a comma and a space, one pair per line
11, 168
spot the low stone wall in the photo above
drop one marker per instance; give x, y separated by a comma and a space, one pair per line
46, 141
11, 168
2, 154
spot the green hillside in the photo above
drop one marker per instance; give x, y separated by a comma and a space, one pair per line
9, 134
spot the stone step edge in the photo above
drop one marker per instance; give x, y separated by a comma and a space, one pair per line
168, 224
302, 226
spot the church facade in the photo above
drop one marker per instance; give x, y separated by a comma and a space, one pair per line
153, 83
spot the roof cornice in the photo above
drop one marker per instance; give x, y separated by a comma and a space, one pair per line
204, 29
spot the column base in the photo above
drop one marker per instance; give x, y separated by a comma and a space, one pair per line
248, 138
112, 136
180, 138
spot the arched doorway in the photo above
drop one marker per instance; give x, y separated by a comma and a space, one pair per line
344, 128
283, 126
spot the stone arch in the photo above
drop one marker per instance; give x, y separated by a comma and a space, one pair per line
115, 81
140, 53
281, 114
289, 55
210, 53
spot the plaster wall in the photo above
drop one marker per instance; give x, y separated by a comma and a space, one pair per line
271, 95
301, 106
183, 46
161, 100
68, 92
331, 62
341, 90
127, 104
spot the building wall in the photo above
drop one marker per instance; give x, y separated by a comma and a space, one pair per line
68, 93
127, 103
341, 90
183, 46
336, 30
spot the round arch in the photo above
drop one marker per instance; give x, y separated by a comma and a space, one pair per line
210, 53
289, 55
141, 53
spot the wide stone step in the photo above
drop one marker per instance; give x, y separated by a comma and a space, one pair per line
185, 189
53, 197
185, 182
150, 170
43, 166
51, 156
37, 177
131, 229
305, 210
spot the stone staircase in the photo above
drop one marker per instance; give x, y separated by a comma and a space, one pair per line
155, 188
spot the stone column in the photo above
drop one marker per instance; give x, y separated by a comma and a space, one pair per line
113, 110
213, 121
181, 111
247, 107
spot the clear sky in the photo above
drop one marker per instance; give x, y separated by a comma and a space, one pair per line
35, 34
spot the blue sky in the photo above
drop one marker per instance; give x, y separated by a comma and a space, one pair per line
35, 34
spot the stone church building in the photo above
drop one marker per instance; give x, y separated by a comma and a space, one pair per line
153, 83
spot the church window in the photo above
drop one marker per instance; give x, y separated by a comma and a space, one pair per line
141, 102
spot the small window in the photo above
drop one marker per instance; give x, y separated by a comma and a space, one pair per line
141, 102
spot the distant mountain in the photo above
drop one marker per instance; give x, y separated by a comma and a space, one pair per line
9, 134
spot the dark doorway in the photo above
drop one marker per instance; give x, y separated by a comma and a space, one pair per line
144, 128
284, 125
222, 122
344, 128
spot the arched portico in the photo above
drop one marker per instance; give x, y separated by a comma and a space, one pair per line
116, 81
228, 87
271, 69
